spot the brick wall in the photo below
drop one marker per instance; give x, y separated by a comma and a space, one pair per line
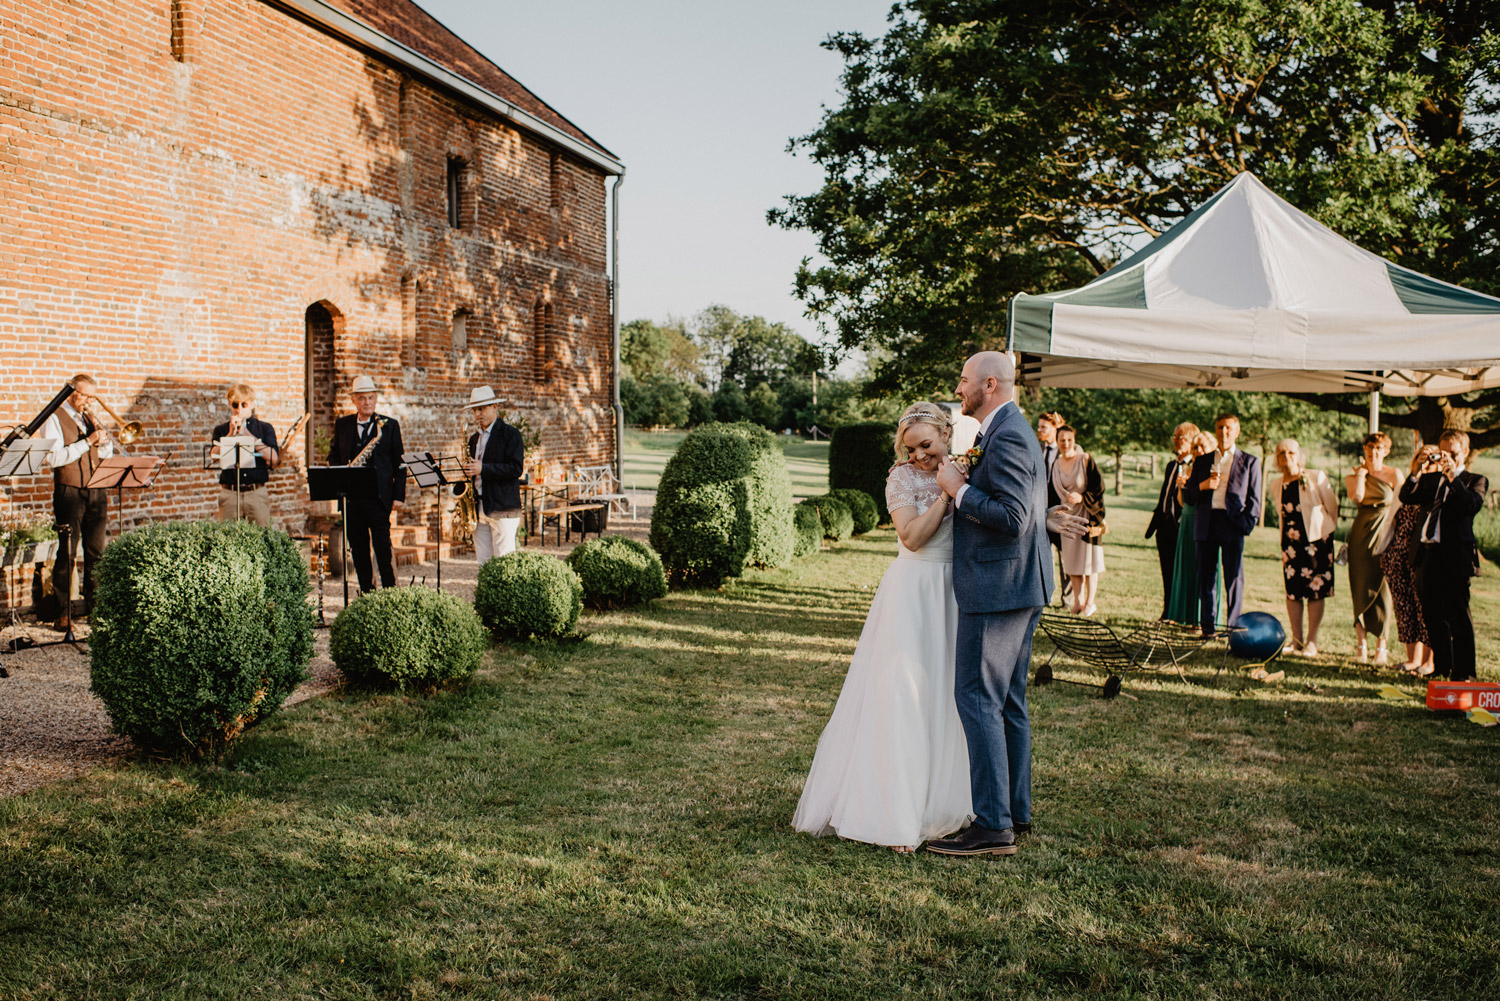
195, 193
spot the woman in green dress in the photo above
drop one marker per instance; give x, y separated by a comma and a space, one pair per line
1372, 488
1182, 603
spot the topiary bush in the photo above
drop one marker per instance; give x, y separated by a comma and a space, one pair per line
809, 528
528, 594
200, 629
407, 638
617, 572
866, 512
859, 456
724, 503
837, 519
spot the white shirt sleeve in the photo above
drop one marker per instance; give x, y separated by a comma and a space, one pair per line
958, 498
61, 455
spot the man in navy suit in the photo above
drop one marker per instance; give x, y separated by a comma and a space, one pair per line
1225, 486
1002, 576
496, 458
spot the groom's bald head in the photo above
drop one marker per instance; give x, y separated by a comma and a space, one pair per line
988, 380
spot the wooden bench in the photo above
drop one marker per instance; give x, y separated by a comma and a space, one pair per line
562, 514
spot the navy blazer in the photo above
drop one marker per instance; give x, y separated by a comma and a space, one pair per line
500, 468
1001, 559
1243, 500
390, 474
1168, 511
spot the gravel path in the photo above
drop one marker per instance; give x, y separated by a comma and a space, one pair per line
52, 728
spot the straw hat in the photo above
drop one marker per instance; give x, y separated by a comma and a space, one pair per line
482, 397
363, 384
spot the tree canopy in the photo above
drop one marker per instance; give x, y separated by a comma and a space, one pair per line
985, 148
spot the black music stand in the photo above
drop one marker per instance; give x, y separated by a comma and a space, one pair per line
427, 472
244, 458
25, 457
121, 471
337, 483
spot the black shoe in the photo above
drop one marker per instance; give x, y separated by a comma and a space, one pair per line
976, 840
1022, 827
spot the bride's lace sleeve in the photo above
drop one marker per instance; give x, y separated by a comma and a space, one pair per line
900, 491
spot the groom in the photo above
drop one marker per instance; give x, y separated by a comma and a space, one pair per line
1002, 576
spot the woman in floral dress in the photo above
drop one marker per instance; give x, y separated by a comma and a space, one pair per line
1395, 563
1308, 511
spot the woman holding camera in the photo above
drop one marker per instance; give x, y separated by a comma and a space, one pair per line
1372, 487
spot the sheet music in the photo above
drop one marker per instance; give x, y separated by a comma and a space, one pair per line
26, 457
246, 454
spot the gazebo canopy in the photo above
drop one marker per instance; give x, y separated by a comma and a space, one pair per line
1249, 293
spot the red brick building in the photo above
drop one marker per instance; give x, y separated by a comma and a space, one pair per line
290, 193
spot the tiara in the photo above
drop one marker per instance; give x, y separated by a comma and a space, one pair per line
918, 415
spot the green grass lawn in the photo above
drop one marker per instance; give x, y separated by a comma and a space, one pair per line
647, 452
610, 818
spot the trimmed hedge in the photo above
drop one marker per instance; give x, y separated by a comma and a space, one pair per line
859, 456
526, 594
617, 572
809, 528
724, 503
407, 637
837, 519
866, 512
200, 629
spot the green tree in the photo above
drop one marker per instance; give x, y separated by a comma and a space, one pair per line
650, 350
765, 406
985, 148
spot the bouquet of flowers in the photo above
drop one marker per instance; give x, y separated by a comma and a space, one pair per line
965, 462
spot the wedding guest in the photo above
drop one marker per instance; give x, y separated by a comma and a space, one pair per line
1307, 511
1046, 434
1446, 554
1167, 514
1226, 486
1395, 563
1080, 489
1182, 603
1372, 487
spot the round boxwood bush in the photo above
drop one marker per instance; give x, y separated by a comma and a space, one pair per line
859, 456
526, 594
866, 512
407, 637
200, 629
724, 503
617, 572
837, 519
809, 528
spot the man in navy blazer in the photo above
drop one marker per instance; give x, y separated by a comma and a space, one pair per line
1002, 576
496, 458
1225, 486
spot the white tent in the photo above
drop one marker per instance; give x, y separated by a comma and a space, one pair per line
1249, 293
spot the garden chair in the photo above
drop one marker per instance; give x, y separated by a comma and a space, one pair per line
598, 483
1159, 643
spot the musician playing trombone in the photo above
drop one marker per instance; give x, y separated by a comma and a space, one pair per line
493, 464
366, 438
244, 492
81, 513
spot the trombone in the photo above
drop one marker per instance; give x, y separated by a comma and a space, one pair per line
126, 431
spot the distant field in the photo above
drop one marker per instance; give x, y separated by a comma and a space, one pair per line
647, 452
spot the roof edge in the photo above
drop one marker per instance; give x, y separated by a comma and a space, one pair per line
361, 35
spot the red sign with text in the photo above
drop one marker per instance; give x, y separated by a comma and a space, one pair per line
1463, 695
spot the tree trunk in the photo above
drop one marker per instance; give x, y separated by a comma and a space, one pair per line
1119, 473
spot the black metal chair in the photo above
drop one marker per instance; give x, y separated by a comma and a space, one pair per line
1158, 644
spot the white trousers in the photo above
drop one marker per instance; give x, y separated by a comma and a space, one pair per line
495, 536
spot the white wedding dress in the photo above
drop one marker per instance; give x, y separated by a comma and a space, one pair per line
892, 767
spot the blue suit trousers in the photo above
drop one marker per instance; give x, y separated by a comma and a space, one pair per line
994, 652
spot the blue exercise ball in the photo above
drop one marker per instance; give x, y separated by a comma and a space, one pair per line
1256, 636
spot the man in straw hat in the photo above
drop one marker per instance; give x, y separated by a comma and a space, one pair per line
370, 439
496, 459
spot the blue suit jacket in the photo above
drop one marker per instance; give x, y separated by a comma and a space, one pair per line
1001, 557
1243, 500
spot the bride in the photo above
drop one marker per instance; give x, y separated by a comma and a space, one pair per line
892, 766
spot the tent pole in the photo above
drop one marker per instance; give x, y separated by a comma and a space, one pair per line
1374, 410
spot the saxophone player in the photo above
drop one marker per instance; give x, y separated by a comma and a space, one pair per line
81, 513
368, 438
243, 491
495, 461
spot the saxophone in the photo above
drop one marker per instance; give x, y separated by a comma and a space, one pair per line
466, 514
365, 454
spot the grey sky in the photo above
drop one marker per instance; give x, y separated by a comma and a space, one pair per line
699, 100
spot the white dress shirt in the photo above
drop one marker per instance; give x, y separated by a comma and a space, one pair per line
479, 447
984, 430
1432, 525
62, 455
1223, 463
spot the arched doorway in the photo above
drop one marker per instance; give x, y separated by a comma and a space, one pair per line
324, 323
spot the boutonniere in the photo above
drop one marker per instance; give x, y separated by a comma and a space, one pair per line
966, 461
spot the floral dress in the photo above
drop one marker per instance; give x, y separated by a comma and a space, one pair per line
1395, 562
1309, 565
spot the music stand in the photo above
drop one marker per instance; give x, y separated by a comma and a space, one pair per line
121, 471
243, 449
337, 483
24, 457
427, 472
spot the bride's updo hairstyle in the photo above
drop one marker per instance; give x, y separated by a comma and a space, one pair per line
922, 413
